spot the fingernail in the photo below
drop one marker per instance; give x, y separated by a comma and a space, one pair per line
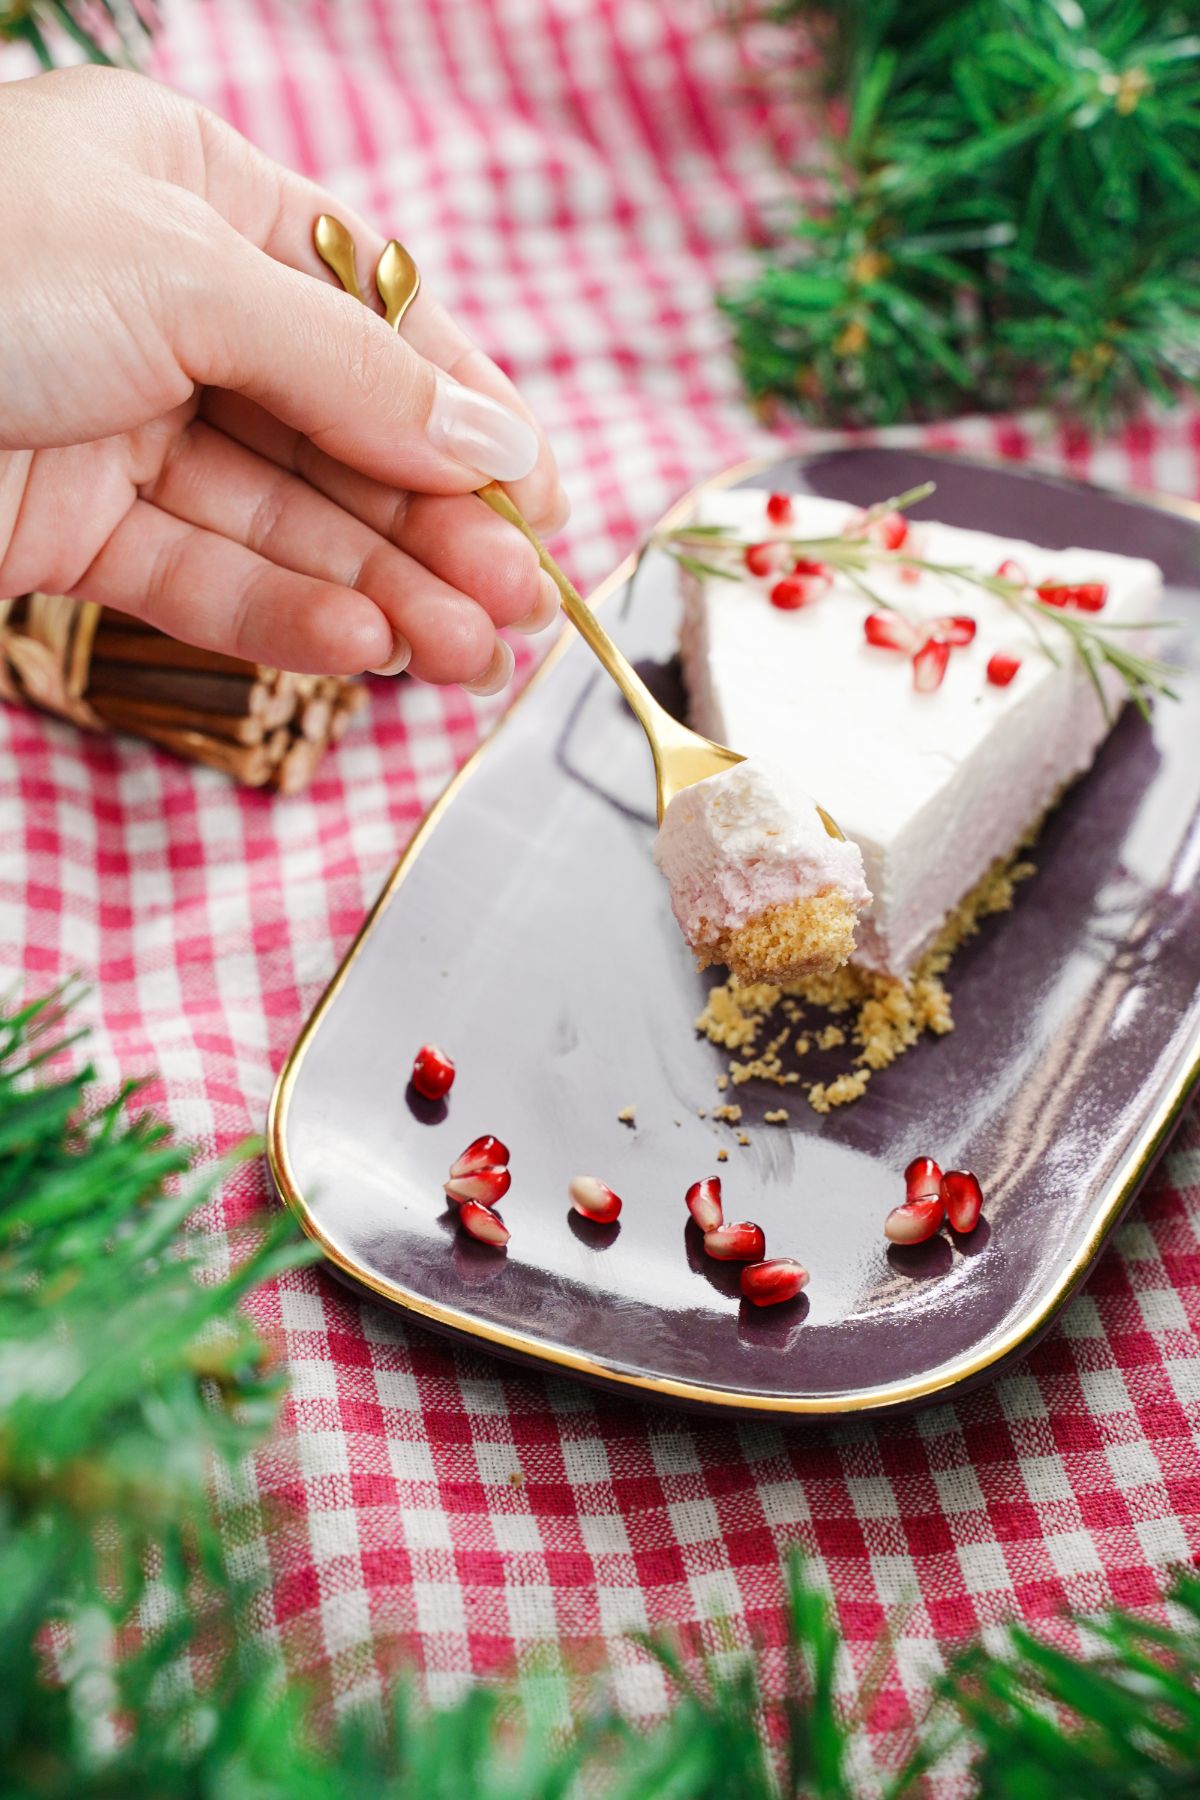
398, 661
476, 430
546, 610
498, 673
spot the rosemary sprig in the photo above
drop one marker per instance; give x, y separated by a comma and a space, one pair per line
1094, 645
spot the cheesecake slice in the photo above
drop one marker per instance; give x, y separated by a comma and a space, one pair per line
934, 768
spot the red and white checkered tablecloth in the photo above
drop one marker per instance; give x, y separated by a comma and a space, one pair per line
575, 177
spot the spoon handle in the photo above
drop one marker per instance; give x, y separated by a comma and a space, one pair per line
644, 706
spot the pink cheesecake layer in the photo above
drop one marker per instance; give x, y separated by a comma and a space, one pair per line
744, 842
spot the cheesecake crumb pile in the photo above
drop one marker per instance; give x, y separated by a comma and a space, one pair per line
884, 1016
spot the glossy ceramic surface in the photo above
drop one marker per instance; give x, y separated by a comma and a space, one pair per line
528, 931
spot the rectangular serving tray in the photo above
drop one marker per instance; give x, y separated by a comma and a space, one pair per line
527, 930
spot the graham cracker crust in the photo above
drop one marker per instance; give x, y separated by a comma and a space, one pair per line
802, 938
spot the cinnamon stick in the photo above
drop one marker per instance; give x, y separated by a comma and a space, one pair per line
126, 621
138, 715
298, 766
251, 764
153, 649
282, 699
199, 690
314, 719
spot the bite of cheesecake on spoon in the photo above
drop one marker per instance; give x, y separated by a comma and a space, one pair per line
761, 880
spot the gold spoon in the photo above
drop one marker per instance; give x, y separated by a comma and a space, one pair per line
681, 757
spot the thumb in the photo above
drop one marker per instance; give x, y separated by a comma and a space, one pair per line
332, 369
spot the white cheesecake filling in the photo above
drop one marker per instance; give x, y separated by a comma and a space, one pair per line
932, 787
736, 845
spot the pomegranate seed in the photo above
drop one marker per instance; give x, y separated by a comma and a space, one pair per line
595, 1201
486, 1152
482, 1223
483, 1187
795, 591
929, 665
913, 1224
765, 559
433, 1072
1001, 668
957, 631
767, 1283
922, 1179
779, 509
890, 631
704, 1203
815, 575
1011, 570
1085, 596
744, 1242
962, 1197
890, 531
789, 594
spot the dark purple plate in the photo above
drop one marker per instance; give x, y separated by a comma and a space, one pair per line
528, 931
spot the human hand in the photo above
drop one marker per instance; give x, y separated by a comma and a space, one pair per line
199, 428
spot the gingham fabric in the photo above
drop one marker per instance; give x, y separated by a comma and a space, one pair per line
575, 178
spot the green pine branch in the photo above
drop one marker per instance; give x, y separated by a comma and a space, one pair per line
1010, 214
106, 31
127, 1376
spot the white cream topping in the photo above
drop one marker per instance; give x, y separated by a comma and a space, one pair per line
932, 787
746, 840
